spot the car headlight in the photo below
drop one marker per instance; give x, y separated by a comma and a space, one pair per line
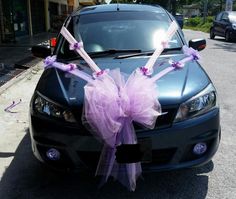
46, 107
197, 105
234, 26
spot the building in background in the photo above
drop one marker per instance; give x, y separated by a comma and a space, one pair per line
192, 10
29, 17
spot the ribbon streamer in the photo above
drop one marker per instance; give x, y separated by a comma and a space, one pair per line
71, 68
169, 34
191, 55
80, 50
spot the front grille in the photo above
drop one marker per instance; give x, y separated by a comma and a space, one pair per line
163, 121
90, 158
48, 125
162, 156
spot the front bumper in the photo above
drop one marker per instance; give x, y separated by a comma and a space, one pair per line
171, 147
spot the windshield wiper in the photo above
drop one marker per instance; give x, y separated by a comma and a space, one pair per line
104, 53
147, 53
114, 51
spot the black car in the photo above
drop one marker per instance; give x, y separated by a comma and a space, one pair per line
224, 25
187, 134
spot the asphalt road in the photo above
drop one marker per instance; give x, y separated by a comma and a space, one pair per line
26, 178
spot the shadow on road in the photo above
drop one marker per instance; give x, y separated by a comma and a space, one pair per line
26, 178
227, 46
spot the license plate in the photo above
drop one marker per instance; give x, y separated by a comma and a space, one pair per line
132, 153
146, 149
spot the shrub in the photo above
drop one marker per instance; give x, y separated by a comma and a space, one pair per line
194, 21
198, 24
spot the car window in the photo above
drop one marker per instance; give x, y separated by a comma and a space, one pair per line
225, 16
218, 17
121, 30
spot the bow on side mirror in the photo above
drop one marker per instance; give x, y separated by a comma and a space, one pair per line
197, 44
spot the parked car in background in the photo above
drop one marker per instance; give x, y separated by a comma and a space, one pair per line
224, 25
180, 19
124, 36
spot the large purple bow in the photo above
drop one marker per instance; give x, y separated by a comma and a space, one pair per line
111, 105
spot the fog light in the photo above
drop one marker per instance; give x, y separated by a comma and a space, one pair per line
200, 148
53, 154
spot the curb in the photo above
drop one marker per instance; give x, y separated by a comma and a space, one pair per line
19, 77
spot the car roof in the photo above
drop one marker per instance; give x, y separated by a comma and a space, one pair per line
119, 7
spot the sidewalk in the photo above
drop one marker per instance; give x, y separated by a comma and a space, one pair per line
12, 53
14, 126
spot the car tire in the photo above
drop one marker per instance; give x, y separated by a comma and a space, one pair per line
212, 34
227, 36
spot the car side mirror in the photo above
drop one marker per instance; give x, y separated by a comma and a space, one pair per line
41, 51
197, 44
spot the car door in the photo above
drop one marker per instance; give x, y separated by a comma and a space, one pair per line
216, 23
224, 22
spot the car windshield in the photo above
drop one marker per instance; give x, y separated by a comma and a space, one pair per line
120, 31
232, 17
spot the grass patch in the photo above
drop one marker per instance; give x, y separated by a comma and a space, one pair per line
197, 23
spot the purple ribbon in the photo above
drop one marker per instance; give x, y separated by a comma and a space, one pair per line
76, 45
165, 44
145, 71
100, 73
191, 53
176, 64
49, 60
8, 109
71, 67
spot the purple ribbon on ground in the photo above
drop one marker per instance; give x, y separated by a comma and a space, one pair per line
14, 104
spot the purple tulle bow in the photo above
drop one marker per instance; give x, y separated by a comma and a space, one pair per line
76, 45
49, 60
191, 52
111, 105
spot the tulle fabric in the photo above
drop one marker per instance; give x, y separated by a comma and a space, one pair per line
111, 105
102, 110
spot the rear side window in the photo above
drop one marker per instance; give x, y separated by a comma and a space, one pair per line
218, 17
225, 16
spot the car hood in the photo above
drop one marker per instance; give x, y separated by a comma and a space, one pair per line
174, 88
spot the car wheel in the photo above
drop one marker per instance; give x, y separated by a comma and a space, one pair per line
227, 36
212, 34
